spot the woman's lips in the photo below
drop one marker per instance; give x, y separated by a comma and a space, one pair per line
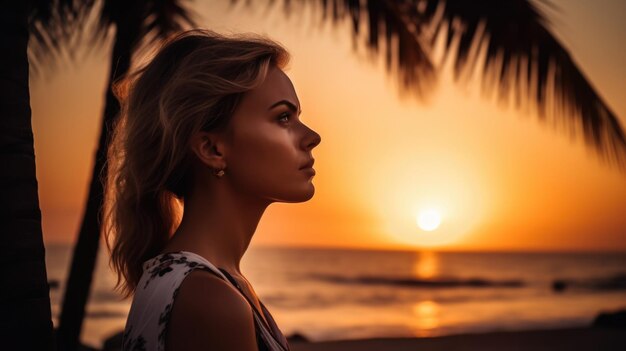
309, 170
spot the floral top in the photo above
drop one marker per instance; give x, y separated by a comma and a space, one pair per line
157, 288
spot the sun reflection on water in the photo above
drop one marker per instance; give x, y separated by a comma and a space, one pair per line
427, 315
426, 265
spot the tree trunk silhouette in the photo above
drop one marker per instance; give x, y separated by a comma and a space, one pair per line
86, 248
26, 322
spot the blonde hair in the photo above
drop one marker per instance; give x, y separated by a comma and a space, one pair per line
193, 83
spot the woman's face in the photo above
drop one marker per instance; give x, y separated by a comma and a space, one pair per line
268, 143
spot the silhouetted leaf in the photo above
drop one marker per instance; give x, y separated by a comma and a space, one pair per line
57, 26
51, 26
524, 58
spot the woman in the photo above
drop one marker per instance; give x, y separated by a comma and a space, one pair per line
209, 127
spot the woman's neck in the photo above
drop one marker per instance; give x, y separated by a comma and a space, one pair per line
218, 225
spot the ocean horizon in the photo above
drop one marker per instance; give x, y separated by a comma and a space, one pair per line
337, 293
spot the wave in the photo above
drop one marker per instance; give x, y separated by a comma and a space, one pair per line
615, 282
365, 297
421, 283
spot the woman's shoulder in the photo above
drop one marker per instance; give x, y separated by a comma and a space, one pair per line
208, 312
206, 287
166, 277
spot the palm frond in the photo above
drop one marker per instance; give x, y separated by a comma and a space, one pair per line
57, 26
524, 59
52, 25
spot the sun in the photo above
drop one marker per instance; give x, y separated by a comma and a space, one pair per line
429, 220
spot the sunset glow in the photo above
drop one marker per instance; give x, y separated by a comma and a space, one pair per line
497, 177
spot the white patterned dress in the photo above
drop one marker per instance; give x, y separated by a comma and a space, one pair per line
152, 303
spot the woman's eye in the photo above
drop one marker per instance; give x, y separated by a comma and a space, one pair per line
283, 116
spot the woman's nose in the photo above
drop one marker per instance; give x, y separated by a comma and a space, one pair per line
312, 139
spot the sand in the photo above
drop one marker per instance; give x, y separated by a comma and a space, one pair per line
597, 339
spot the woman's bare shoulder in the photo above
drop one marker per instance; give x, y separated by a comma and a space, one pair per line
209, 314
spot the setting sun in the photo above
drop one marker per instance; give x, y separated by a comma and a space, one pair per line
429, 220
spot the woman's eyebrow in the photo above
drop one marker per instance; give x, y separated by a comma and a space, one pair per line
289, 104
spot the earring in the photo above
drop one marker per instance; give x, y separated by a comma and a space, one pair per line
219, 173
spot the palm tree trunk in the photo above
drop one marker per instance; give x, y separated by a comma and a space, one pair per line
25, 323
86, 249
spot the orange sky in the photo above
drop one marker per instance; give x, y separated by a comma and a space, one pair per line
501, 180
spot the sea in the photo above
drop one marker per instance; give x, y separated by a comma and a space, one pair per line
336, 293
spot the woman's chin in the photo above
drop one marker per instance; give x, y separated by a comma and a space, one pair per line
302, 195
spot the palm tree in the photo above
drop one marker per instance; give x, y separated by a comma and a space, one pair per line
133, 22
25, 294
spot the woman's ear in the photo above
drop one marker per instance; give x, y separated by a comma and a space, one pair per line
208, 147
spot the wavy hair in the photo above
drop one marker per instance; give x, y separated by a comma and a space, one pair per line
193, 83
